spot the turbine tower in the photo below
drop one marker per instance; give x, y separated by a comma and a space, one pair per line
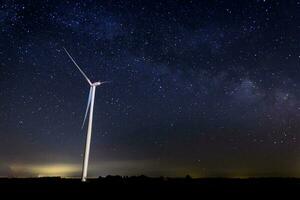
90, 110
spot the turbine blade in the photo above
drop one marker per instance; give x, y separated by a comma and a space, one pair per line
103, 82
87, 108
85, 76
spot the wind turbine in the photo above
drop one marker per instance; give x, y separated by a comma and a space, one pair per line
90, 109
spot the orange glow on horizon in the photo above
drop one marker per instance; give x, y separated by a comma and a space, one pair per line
46, 170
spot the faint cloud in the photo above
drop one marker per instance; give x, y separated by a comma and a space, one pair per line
247, 92
96, 23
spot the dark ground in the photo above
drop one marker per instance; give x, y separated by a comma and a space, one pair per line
152, 187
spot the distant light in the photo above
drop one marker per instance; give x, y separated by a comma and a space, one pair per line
46, 170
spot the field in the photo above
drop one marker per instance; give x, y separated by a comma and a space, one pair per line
150, 187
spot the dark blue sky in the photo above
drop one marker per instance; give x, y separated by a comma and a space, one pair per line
207, 88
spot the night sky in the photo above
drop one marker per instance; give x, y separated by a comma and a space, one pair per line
206, 88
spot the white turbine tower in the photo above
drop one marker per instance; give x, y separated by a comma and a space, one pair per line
90, 109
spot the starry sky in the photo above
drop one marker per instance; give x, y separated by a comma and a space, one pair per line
206, 88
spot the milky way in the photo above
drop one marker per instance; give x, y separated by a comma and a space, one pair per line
207, 88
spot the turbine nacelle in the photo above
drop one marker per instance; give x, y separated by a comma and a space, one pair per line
96, 83
99, 83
